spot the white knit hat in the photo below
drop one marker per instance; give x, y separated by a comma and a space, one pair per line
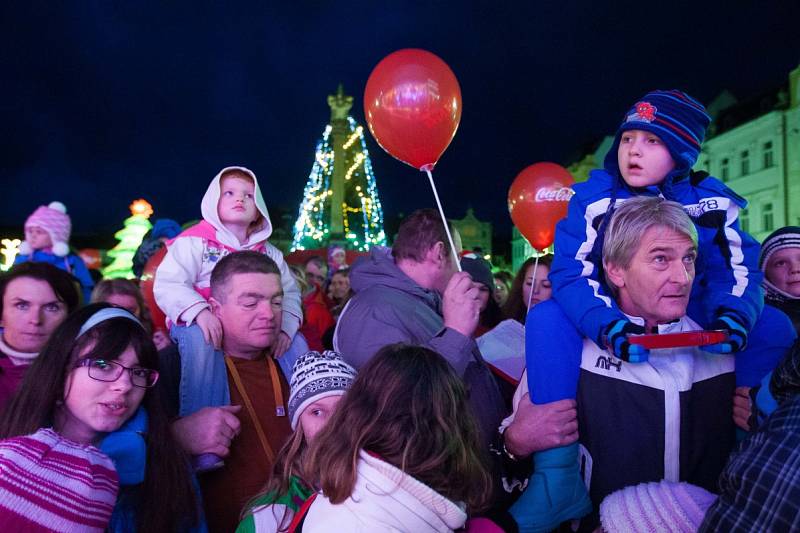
664, 506
52, 218
316, 376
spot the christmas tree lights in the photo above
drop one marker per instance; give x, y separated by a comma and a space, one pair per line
129, 237
361, 224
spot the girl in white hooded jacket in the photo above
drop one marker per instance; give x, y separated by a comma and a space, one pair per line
235, 218
400, 453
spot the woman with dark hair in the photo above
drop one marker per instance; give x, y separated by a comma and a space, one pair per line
401, 451
34, 299
528, 288
93, 384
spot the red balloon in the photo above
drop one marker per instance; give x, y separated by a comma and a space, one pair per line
146, 285
91, 257
538, 199
413, 106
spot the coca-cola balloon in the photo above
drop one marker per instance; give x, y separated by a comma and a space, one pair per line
412, 103
538, 199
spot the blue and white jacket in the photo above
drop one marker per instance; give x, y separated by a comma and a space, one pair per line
668, 418
727, 275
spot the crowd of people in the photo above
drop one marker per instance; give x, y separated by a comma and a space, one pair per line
324, 396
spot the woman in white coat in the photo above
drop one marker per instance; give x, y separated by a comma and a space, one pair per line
400, 453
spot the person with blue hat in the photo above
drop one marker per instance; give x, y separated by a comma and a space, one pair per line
654, 150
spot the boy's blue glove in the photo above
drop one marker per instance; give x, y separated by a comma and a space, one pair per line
616, 339
737, 335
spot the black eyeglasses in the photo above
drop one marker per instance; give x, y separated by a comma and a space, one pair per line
106, 370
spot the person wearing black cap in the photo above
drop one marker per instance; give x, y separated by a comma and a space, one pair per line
481, 273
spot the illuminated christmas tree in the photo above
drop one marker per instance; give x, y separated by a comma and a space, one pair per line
340, 202
129, 237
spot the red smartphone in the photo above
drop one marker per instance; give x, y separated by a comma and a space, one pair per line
657, 341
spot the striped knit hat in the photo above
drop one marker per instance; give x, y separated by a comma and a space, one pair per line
679, 120
52, 218
48, 483
786, 237
658, 506
316, 376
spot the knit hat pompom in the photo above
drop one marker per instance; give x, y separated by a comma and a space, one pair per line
316, 376
679, 120
53, 219
655, 506
49, 483
58, 206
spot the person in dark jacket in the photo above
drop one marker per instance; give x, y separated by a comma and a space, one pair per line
414, 294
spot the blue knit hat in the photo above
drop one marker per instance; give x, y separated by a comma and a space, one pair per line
165, 227
679, 120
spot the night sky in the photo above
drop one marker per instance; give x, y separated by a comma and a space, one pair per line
104, 102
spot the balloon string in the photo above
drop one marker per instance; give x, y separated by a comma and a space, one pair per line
444, 220
533, 282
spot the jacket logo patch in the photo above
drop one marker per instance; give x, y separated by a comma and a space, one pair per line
704, 205
212, 254
643, 112
607, 362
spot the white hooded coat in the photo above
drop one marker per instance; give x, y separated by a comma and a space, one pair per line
186, 269
385, 499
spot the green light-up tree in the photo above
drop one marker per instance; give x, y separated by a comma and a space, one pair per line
129, 237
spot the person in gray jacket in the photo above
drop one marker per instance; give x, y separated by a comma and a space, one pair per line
413, 293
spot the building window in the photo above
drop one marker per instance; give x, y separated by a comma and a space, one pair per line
744, 220
768, 155
745, 155
767, 218
724, 172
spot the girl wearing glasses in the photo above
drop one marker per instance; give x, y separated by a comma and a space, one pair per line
92, 385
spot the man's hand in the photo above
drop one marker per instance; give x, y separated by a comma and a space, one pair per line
541, 427
281, 344
209, 430
742, 407
460, 305
211, 328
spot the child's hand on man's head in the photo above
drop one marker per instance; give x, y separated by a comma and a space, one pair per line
211, 328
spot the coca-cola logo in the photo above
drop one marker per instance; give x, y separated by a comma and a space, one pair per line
553, 194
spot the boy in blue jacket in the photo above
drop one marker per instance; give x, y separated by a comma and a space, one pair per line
653, 152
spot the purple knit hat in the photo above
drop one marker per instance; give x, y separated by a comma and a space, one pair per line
49, 483
663, 506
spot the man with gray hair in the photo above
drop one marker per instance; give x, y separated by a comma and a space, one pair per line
670, 416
